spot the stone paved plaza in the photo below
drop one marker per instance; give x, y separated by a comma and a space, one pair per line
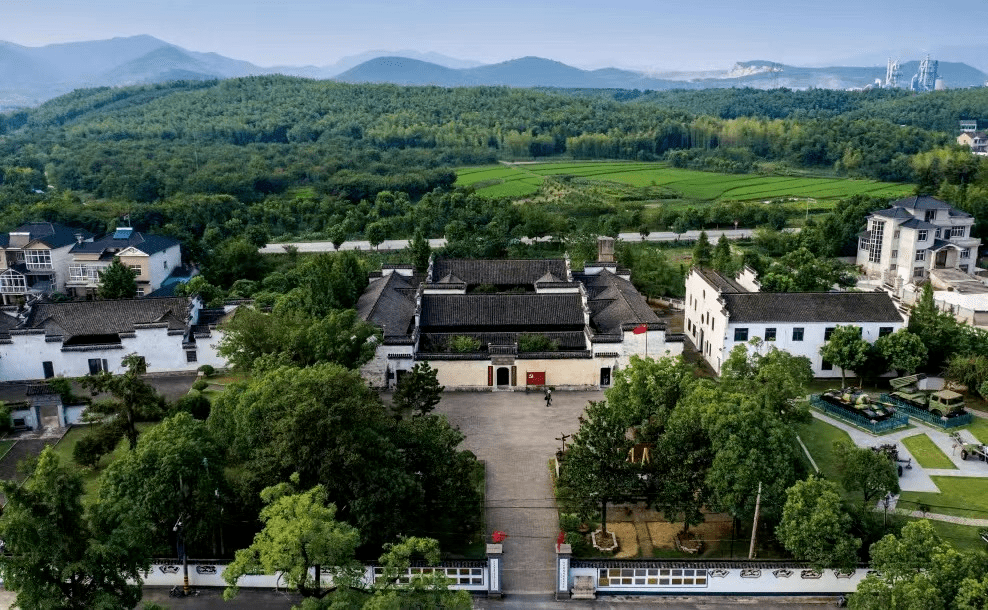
514, 433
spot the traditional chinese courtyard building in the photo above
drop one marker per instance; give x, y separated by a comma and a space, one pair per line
511, 324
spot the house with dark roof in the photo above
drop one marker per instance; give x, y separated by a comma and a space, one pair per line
722, 312
153, 258
510, 324
75, 338
35, 259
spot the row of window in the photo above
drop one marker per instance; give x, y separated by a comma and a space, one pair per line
741, 334
952, 232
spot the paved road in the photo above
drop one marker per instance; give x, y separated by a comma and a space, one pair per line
515, 433
401, 244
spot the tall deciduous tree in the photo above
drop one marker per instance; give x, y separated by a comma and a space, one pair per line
676, 478
939, 330
845, 349
646, 391
903, 351
776, 378
421, 251
596, 468
55, 556
866, 471
300, 538
816, 527
133, 398
418, 391
117, 281
176, 472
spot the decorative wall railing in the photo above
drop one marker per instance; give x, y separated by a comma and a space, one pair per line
927, 417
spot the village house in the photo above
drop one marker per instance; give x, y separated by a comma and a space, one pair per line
153, 258
511, 324
75, 338
35, 259
722, 312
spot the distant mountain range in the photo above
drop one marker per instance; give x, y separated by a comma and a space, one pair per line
31, 75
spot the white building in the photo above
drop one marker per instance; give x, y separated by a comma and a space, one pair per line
721, 313
904, 243
152, 258
592, 322
35, 259
76, 338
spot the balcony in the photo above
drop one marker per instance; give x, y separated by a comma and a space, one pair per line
84, 275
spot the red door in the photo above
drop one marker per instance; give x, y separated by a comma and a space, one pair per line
535, 378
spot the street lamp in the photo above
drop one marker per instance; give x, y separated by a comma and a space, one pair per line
179, 529
885, 502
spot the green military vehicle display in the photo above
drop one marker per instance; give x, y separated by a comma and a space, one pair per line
941, 403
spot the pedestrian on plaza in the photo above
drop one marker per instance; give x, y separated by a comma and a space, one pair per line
548, 397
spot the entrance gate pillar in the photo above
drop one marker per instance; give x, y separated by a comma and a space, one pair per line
563, 554
495, 569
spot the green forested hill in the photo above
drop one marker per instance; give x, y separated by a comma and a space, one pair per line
300, 154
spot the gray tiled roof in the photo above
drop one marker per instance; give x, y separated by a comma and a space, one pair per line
922, 202
148, 244
893, 213
388, 302
80, 318
916, 223
51, 234
719, 281
614, 302
940, 244
498, 272
544, 311
835, 307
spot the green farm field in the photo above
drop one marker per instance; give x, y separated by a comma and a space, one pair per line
525, 179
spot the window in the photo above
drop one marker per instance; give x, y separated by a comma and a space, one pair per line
964, 268
38, 259
896, 234
918, 272
140, 292
797, 334
875, 244
827, 332
895, 254
957, 231
164, 264
190, 356
135, 268
931, 215
937, 234
920, 255
740, 334
97, 366
770, 334
965, 254
885, 330
892, 267
923, 235
827, 366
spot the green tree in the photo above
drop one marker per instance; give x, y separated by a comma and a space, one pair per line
176, 471
918, 569
57, 557
421, 251
421, 591
117, 281
722, 259
210, 295
903, 351
939, 330
645, 392
300, 538
703, 254
816, 527
233, 259
676, 478
418, 391
845, 349
776, 379
802, 271
866, 471
133, 398
596, 468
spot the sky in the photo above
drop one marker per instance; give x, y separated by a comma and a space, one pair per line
650, 34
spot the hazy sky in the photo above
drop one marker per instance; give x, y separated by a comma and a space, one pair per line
656, 34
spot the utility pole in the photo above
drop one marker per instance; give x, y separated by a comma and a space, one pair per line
754, 526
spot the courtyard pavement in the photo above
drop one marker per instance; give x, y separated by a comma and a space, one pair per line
515, 434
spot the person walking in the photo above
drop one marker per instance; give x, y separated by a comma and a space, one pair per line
548, 397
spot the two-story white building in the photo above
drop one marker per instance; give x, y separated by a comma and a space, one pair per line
35, 259
722, 312
152, 257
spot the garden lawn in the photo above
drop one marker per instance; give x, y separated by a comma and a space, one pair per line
819, 437
960, 496
979, 428
90, 478
926, 452
964, 538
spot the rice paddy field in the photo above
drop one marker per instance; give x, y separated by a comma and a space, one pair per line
523, 179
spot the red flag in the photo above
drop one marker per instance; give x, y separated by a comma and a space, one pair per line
641, 328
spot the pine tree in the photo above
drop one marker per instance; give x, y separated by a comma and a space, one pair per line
703, 254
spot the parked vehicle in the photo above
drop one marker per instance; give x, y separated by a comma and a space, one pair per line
857, 401
941, 403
